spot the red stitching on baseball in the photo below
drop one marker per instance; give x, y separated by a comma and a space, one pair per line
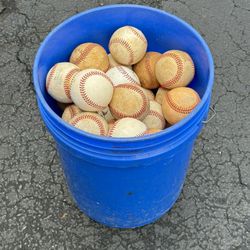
148, 67
179, 72
67, 81
137, 114
126, 75
158, 115
183, 110
50, 76
110, 133
83, 91
93, 118
83, 53
142, 38
126, 45
111, 130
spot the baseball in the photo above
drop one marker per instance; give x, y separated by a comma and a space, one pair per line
155, 118
175, 68
145, 69
91, 123
159, 94
111, 123
129, 101
113, 62
178, 103
70, 112
122, 74
128, 45
149, 94
126, 93
106, 114
90, 56
59, 79
91, 90
127, 127
152, 131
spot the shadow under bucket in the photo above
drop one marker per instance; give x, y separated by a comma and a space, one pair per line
131, 182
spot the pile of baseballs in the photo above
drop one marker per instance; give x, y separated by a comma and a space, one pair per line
129, 92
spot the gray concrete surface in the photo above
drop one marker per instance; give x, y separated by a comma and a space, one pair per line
213, 211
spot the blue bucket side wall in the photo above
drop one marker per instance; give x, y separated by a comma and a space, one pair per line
127, 193
126, 197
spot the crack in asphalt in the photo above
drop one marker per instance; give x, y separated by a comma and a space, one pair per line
37, 211
9, 5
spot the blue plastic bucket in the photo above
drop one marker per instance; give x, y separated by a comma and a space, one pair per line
124, 183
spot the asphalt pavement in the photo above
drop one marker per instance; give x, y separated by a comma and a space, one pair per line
213, 211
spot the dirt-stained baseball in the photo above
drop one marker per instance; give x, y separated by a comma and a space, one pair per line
175, 68
91, 90
149, 94
178, 103
106, 114
128, 45
59, 79
145, 70
90, 56
113, 62
129, 100
121, 75
127, 127
152, 131
155, 118
91, 123
159, 94
70, 111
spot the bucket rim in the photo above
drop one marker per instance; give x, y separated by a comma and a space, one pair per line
129, 139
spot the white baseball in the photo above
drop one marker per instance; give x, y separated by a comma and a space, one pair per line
91, 123
127, 127
59, 79
155, 118
113, 62
128, 45
121, 75
160, 94
106, 114
70, 111
91, 90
